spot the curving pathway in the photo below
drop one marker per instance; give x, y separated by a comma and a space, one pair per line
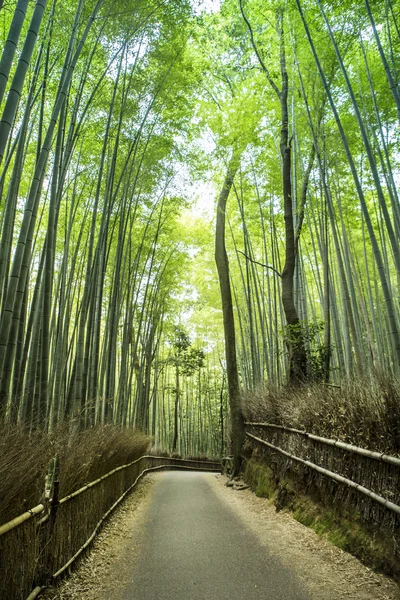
195, 548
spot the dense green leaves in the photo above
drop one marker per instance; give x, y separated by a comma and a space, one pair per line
128, 116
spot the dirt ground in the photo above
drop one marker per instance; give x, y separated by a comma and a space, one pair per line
327, 572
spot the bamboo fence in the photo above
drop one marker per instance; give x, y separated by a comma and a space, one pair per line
42, 544
346, 477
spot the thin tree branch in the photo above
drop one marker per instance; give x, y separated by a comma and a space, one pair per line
261, 264
303, 198
260, 60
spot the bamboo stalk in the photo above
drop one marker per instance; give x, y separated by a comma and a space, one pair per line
392, 460
35, 593
386, 503
21, 519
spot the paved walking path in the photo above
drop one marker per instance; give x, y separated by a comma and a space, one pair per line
196, 548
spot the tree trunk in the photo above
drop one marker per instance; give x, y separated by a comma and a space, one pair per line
297, 353
221, 259
176, 408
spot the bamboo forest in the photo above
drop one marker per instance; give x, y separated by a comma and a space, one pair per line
199, 206
200, 271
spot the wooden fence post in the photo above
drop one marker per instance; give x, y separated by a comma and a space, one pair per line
46, 523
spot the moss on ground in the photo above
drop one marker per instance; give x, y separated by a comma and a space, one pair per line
260, 479
340, 527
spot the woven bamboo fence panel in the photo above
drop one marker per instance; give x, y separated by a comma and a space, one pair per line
378, 473
31, 553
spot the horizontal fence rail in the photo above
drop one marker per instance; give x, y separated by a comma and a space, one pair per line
386, 503
175, 462
32, 512
392, 460
40, 545
344, 475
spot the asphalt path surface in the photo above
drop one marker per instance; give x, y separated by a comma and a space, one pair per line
196, 548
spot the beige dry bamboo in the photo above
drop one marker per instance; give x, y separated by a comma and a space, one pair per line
35, 593
36, 510
92, 536
386, 503
381, 456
